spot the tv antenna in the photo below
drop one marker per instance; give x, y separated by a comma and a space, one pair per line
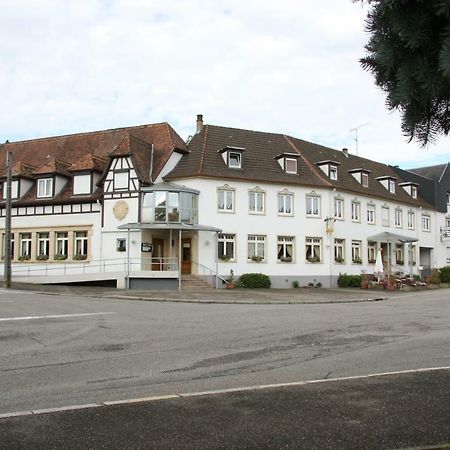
356, 135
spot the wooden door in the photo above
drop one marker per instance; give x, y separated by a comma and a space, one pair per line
186, 256
158, 254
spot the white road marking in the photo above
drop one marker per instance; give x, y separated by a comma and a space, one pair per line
54, 316
215, 392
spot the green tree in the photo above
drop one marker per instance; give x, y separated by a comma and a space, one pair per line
409, 55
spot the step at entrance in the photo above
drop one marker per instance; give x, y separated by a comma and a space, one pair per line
193, 282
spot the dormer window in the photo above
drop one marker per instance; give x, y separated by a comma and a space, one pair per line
329, 168
45, 187
388, 182
121, 180
288, 162
361, 176
82, 184
232, 156
234, 160
410, 188
14, 189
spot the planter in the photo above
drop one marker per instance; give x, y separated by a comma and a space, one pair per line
391, 287
230, 285
364, 284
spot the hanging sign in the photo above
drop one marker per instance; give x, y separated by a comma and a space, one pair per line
146, 247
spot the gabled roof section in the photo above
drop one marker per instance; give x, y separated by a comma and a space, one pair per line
88, 163
23, 170
259, 160
432, 172
51, 167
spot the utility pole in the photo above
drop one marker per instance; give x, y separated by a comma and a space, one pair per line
7, 269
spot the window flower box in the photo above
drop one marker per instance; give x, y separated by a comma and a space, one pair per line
79, 257
313, 259
357, 261
60, 257
286, 259
42, 257
339, 259
257, 258
24, 257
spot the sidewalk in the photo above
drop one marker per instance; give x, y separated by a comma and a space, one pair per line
224, 296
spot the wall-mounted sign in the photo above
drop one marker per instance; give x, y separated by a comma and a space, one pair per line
146, 247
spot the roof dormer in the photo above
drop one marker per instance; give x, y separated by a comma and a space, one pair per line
233, 156
410, 187
361, 176
388, 182
288, 162
329, 168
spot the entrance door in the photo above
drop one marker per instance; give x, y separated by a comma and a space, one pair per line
185, 256
158, 254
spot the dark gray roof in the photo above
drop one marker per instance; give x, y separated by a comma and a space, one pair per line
431, 172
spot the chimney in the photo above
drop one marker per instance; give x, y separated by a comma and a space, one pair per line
345, 152
199, 123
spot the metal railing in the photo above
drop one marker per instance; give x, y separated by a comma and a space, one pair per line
204, 272
60, 268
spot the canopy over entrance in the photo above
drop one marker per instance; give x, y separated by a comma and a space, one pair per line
390, 238
168, 226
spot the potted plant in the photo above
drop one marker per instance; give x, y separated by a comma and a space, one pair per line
230, 280
60, 257
339, 259
79, 257
42, 257
24, 257
357, 261
224, 258
313, 259
256, 258
286, 258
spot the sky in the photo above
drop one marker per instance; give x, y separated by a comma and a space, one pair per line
289, 66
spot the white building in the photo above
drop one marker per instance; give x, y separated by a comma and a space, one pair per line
139, 206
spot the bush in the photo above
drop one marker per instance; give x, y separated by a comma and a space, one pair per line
434, 276
345, 280
444, 274
254, 281
295, 284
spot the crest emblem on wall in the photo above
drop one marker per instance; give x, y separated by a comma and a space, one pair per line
120, 210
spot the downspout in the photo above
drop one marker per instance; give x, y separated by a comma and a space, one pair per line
151, 163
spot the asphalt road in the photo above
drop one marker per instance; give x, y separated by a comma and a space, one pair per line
85, 350
386, 412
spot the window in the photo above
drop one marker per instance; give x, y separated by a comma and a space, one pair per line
365, 179
45, 187
14, 189
43, 246
225, 200
371, 252
121, 180
339, 250
312, 206
226, 247
356, 252
81, 245
426, 222
25, 246
285, 249
399, 254
121, 245
391, 186
411, 220
371, 214
285, 204
385, 220
313, 249
333, 172
62, 245
4, 245
413, 191
290, 165
356, 211
412, 252
82, 184
234, 160
256, 202
398, 218
256, 248
339, 208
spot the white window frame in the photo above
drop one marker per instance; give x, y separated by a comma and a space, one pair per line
398, 218
43, 244
285, 249
292, 161
284, 197
356, 211
226, 247
313, 249
333, 170
312, 206
371, 252
121, 245
339, 250
62, 243
426, 222
258, 202
81, 241
356, 251
385, 216
364, 179
45, 187
238, 157
256, 247
371, 214
391, 186
414, 191
399, 254
121, 180
411, 220
25, 240
339, 208
228, 194
14, 189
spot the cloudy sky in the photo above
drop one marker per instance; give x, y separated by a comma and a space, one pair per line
289, 66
